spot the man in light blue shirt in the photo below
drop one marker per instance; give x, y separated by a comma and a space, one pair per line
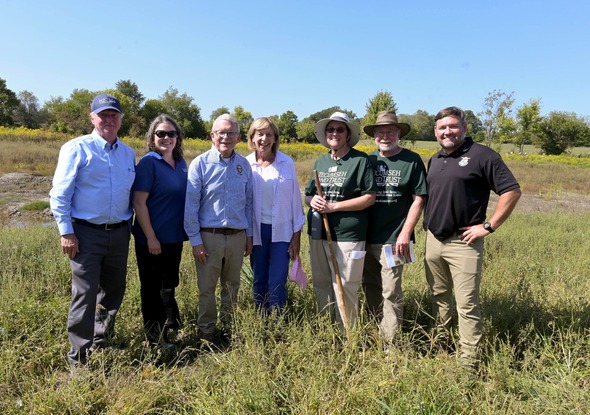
91, 202
218, 222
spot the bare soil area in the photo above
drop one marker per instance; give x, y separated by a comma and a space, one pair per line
16, 191
19, 189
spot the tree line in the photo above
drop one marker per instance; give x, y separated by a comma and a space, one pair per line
497, 122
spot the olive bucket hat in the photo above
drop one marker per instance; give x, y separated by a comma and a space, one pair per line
387, 118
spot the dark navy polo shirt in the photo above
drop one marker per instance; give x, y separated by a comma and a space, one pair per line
167, 191
459, 187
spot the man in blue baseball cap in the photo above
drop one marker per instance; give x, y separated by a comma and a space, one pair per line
103, 102
90, 200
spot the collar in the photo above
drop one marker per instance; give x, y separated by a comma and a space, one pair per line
279, 158
153, 154
217, 155
102, 143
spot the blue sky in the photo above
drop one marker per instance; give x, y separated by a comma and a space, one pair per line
304, 56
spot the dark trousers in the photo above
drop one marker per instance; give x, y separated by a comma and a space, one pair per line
98, 285
159, 276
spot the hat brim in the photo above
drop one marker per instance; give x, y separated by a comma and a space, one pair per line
320, 131
404, 128
101, 109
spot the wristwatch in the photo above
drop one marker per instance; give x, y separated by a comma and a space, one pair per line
488, 227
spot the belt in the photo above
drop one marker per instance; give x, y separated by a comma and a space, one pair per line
105, 226
222, 231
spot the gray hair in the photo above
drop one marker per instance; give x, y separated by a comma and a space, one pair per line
226, 117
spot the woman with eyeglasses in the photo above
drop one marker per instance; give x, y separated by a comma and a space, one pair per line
277, 215
348, 189
158, 199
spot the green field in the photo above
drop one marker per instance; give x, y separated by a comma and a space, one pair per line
535, 299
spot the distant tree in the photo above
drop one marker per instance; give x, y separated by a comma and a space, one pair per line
382, 101
49, 107
474, 126
528, 118
8, 104
421, 126
244, 118
208, 126
305, 131
136, 125
316, 116
28, 114
72, 115
287, 124
584, 141
151, 109
131, 90
507, 130
560, 131
187, 115
217, 112
496, 112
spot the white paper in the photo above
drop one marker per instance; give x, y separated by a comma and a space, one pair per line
357, 254
394, 260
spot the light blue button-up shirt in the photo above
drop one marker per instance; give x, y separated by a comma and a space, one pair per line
218, 194
93, 182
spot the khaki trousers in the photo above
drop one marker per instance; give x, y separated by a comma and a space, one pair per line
350, 259
224, 264
453, 264
383, 291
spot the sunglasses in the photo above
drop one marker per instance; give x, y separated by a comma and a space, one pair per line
162, 133
339, 130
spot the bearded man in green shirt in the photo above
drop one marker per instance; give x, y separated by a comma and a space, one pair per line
401, 192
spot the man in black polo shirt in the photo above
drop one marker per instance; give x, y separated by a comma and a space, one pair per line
459, 180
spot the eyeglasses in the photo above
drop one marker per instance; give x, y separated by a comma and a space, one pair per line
339, 130
230, 134
162, 133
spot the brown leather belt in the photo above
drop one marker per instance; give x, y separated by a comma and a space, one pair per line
222, 231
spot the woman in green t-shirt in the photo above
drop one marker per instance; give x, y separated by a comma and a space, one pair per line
348, 189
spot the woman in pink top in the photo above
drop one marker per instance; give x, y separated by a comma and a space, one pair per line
278, 215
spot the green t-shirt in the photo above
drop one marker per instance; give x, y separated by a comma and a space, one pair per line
398, 178
344, 179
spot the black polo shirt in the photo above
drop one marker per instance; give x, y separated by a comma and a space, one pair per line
459, 187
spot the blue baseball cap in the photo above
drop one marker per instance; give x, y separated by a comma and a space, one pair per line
103, 102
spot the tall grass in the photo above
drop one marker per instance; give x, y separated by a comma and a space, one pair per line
536, 300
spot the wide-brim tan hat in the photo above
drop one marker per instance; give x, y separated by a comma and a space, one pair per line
387, 118
320, 129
